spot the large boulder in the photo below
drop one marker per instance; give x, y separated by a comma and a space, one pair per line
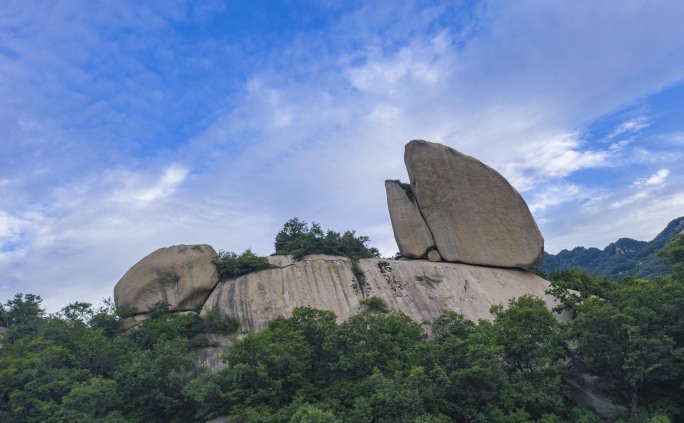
419, 288
410, 230
182, 276
474, 214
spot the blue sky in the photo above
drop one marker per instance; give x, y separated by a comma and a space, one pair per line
128, 126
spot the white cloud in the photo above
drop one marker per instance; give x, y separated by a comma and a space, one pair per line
554, 195
630, 126
165, 186
554, 158
657, 178
620, 144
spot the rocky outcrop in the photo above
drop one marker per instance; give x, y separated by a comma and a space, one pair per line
418, 288
423, 289
474, 214
410, 230
182, 276
323, 282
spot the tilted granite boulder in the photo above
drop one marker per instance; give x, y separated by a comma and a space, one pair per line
410, 230
182, 276
474, 214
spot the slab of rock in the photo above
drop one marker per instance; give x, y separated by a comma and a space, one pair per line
182, 276
418, 288
323, 282
423, 289
474, 214
410, 230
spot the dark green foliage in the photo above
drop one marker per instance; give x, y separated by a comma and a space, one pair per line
231, 265
625, 257
22, 315
633, 338
298, 239
375, 304
215, 323
572, 286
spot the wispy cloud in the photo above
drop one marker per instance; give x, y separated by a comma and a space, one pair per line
657, 178
631, 126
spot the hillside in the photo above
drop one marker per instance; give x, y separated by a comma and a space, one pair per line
624, 257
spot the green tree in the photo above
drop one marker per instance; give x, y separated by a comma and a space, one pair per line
21, 315
231, 265
535, 354
311, 414
572, 286
298, 239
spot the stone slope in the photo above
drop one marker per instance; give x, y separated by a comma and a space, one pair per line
418, 288
423, 289
324, 282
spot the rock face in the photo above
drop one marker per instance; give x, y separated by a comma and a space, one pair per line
474, 214
182, 276
410, 230
418, 288
423, 289
323, 282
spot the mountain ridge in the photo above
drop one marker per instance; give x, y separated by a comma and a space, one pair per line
624, 257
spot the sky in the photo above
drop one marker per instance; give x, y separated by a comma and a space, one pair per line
127, 126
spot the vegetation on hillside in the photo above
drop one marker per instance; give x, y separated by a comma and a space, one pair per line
231, 265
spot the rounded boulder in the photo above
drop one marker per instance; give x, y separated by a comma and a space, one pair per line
181, 275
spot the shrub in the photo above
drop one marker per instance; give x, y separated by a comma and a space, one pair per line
298, 239
376, 304
231, 265
215, 323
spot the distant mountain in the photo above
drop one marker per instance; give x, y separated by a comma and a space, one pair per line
624, 257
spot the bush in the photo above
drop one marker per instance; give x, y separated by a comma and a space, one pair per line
376, 304
231, 265
298, 239
215, 323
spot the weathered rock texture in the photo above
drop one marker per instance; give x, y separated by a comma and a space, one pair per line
182, 276
474, 214
419, 288
323, 282
423, 289
410, 230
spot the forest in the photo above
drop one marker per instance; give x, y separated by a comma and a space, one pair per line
378, 366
